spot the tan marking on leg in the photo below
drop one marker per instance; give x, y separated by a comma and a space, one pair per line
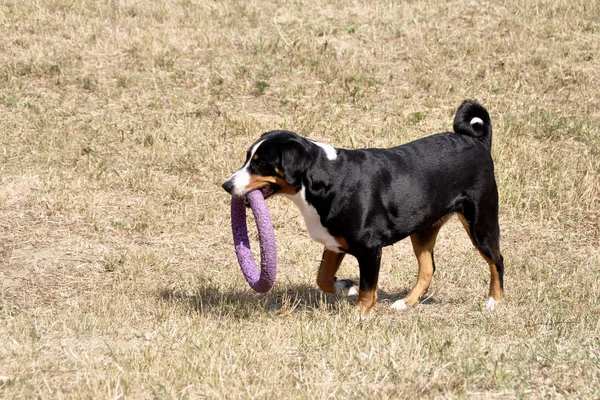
495, 288
366, 301
330, 263
342, 242
423, 244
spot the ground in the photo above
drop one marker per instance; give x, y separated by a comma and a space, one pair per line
119, 121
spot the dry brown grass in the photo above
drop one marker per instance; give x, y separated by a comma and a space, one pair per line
119, 120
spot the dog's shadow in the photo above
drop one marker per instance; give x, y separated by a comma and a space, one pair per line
244, 303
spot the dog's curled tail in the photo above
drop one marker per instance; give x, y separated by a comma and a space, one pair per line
473, 120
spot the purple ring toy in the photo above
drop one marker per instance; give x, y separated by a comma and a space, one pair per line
261, 282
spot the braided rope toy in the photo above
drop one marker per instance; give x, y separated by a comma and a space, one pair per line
261, 282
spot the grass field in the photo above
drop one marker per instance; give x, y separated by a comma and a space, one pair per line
120, 119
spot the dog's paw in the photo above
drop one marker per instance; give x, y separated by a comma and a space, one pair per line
346, 287
399, 305
491, 304
353, 291
362, 314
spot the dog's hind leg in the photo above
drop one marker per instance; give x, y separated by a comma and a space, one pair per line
423, 243
484, 231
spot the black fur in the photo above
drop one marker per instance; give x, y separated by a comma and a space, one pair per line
375, 197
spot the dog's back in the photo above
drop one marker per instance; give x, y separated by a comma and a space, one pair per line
391, 193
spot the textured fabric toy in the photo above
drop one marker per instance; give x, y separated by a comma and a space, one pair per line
259, 281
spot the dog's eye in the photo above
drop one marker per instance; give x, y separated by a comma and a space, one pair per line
259, 163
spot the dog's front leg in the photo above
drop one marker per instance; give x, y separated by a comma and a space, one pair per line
330, 263
369, 262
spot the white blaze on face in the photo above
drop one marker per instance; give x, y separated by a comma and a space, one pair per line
241, 178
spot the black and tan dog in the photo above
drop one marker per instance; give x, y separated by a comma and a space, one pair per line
358, 201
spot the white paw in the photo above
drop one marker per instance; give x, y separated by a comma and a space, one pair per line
490, 304
399, 305
353, 291
341, 288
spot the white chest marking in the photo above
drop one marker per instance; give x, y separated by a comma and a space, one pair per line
313, 222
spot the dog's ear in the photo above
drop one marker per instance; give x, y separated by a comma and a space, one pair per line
295, 160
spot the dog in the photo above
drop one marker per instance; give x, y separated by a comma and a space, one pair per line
359, 201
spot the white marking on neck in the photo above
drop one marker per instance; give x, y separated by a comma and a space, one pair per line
313, 221
476, 120
241, 178
330, 151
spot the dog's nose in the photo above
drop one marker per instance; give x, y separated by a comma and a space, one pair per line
228, 186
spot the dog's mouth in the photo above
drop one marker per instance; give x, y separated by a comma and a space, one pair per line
267, 191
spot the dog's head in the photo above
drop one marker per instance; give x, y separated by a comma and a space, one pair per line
275, 164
